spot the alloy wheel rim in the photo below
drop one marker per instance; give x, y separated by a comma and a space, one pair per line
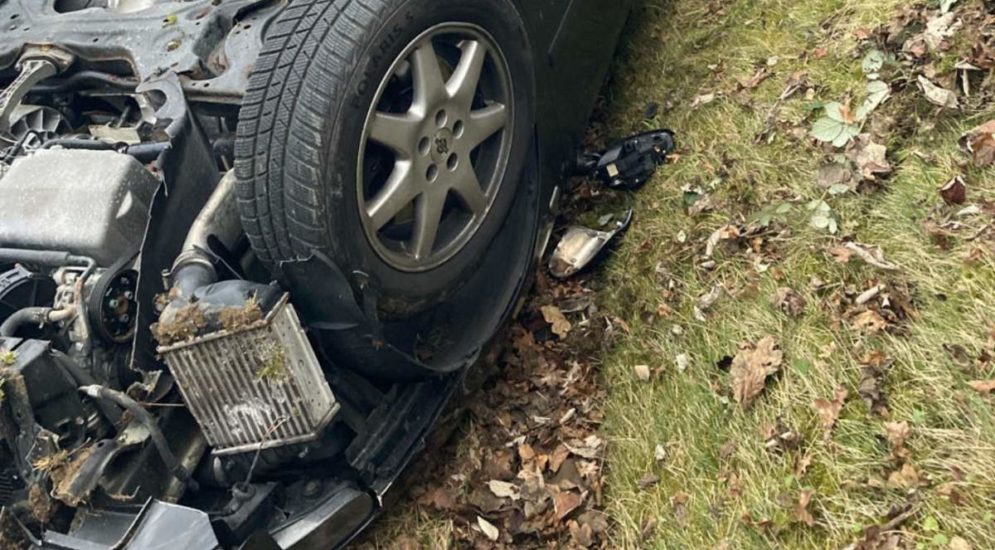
435, 147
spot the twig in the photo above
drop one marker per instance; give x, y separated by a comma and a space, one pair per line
790, 90
259, 450
977, 234
870, 257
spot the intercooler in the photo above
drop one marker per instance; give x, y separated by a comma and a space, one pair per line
255, 387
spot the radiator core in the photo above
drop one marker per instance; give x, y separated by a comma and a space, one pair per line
254, 388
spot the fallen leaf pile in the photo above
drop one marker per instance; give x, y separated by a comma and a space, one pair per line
525, 469
872, 306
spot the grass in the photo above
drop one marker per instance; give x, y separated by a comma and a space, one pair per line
747, 499
721, 486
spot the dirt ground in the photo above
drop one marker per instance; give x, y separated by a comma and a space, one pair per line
793, 345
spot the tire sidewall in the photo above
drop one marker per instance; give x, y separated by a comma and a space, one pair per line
412, 291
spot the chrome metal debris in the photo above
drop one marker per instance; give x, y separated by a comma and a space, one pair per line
581, 246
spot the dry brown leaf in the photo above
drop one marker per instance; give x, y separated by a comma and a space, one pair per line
565, 502
835, 173
789, 301
648, 480
750, 368
504, 489
959, 543
983, 387
898, 433
702, 99
488, 529
829, 411
439, 498
871, 159
557, 321
679, 503
560, 454
761, 74
905, 478
802, 515
847, 114
873, 256
871, 387
526, 452
870, 322
841, 254
980, 144
724, 233
406, 542
802, 464
954, 191
938, 95
581, 535
589, 448
939, 29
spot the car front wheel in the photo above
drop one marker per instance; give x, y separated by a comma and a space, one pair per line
390, 136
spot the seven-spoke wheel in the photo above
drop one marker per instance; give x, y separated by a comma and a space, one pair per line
389, 139
435, 147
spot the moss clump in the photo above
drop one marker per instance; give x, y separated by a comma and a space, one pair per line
274, 365
235, 319
185, 324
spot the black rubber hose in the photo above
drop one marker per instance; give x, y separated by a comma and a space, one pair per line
149, 421
47, 258
143, 152
110, 410
147, 152
188, 278
79, 143
22, 317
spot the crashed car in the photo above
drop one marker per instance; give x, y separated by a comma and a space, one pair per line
248, 248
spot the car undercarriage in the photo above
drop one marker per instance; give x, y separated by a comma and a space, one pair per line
173, 367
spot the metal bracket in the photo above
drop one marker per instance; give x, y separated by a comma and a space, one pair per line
36, 65
33, 71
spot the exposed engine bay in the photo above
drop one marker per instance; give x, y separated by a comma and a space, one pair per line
156, 376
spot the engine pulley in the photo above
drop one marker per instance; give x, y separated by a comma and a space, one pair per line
32, 125
112, 305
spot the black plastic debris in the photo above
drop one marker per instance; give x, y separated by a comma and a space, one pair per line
630, 163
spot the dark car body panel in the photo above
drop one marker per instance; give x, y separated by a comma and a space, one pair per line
573, 43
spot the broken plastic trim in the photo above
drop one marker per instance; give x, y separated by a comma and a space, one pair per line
581, 246
630, 163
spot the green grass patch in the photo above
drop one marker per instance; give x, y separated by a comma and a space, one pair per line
739, 491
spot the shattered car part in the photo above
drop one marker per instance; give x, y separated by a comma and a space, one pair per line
268, 359
581, 246
159, 382
630, 163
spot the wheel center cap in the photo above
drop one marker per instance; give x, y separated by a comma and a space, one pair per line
442, 145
